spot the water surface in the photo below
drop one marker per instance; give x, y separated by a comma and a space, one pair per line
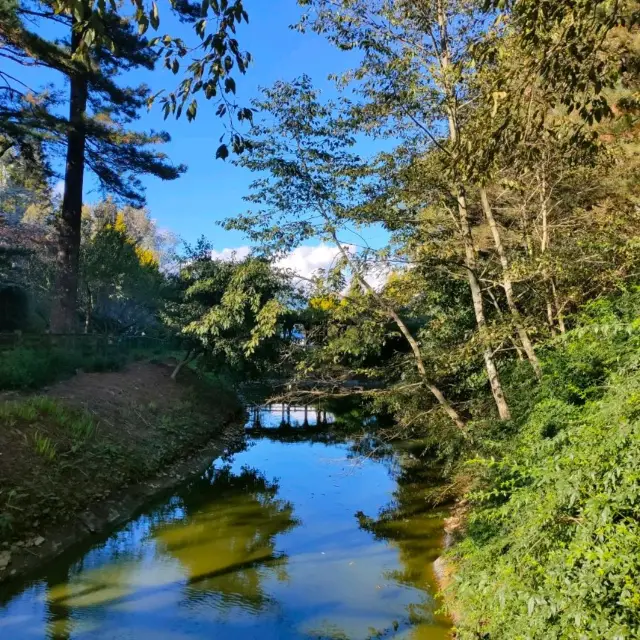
269, 546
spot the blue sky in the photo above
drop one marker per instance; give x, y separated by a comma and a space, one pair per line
212, 190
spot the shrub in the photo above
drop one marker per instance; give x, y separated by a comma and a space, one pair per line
552, 544
23, 367
33, 367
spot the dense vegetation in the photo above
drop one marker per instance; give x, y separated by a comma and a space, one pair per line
498, 324
551, 544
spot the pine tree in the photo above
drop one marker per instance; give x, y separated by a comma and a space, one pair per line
95, 135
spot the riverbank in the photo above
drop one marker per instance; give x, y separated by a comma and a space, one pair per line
264, 544
548, 545
84, 454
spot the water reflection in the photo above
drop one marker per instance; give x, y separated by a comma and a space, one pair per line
227, 546
284, 416
238, 554
409, 522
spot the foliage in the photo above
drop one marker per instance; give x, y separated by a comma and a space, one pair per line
116, 154
489, 173
120, 279
551, 545
312, 189
23, 368
207, 63
235, 313
43, 360
44, 446
26, 206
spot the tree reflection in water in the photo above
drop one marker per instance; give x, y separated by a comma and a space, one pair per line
213, 543
227, 545
223, 556
410, 524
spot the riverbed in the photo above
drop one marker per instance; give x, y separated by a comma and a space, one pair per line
270, 544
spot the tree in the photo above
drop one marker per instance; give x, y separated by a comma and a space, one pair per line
101, 43
234, 314
95, 133
120, 282
311, 187
26, 258
414, 81
25, 194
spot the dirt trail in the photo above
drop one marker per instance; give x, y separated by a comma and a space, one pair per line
122, 400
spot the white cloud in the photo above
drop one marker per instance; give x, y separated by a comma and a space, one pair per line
303, 261
306, 261
58, 189
377, 275
239, 253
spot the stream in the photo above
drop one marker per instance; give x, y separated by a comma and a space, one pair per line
271, 544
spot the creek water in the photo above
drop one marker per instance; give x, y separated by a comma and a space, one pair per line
272, 544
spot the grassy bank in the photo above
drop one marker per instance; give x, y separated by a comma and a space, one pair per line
551, 547
96, 433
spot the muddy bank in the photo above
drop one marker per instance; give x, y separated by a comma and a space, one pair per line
443, 568
87, 453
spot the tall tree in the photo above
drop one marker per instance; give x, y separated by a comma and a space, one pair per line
95, 132
311, 189
100, 43
414, 82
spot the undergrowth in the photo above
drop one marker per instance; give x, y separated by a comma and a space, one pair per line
57, 459
552, 546
31, 368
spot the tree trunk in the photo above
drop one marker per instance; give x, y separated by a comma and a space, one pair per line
507, 285
558, 306
63, 314
465, 229
87, 315
550, 316
181, 364
478, 309
554, 311
415, 347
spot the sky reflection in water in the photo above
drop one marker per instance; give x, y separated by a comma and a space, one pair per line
268, 547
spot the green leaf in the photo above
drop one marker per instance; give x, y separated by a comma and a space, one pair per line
154, 16
192, 111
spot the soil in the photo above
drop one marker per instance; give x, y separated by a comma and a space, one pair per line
122, 401
454, 527
141, 423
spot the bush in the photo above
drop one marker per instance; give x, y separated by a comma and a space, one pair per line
30, 368
552, 545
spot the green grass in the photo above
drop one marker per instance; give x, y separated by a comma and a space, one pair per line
77, 425
44, 446
62, 461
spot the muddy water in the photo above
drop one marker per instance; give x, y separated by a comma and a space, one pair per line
266, 546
